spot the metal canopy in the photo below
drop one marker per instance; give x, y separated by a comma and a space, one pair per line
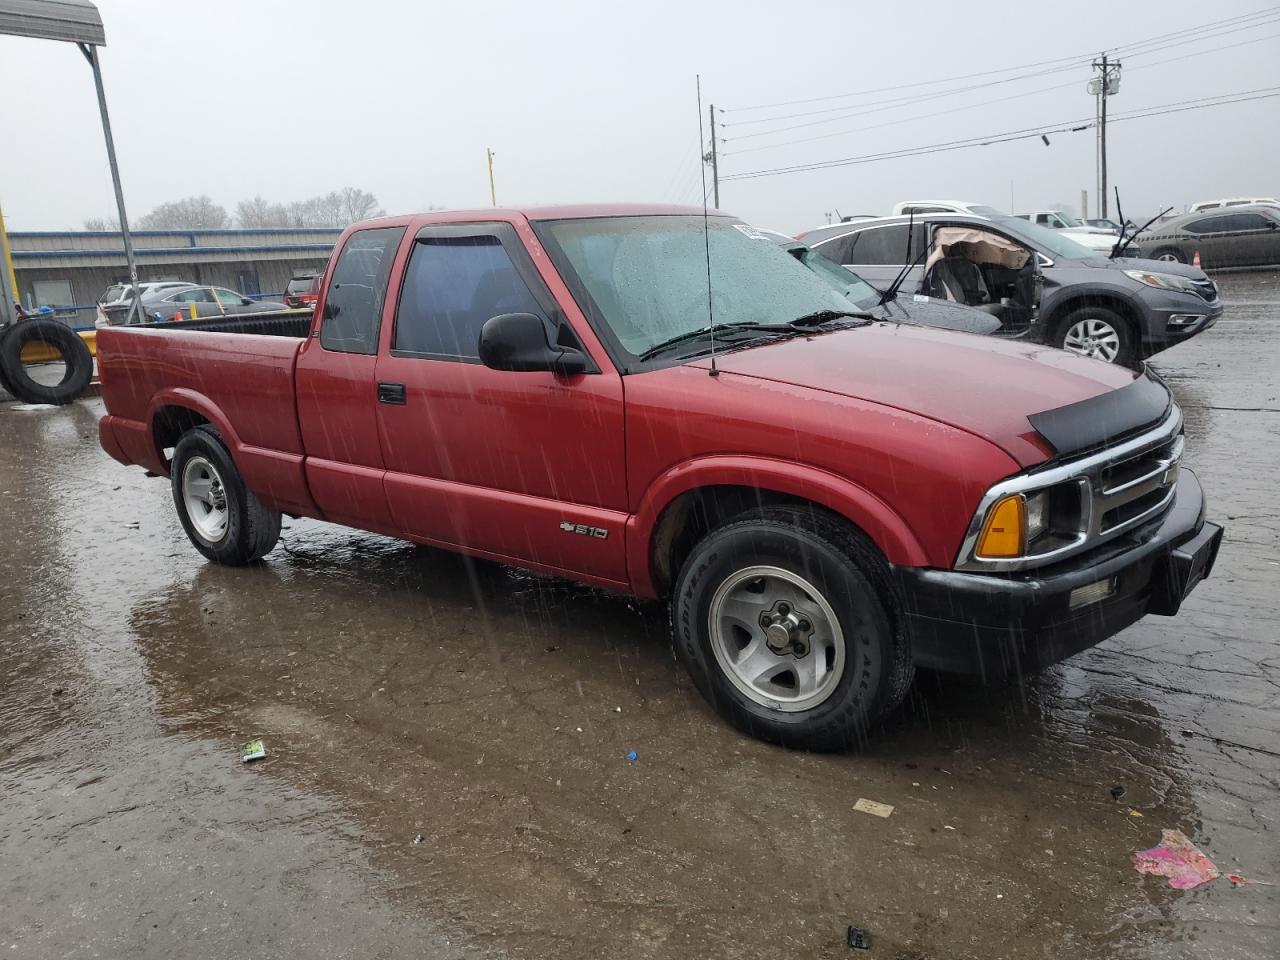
76, 21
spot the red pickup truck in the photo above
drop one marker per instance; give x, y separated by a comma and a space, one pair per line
828, 500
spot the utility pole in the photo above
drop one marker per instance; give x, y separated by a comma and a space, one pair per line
493, 196
1106, 84
710, 157
90, 52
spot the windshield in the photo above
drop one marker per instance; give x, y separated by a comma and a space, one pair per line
845, 281
984, 211
1047, 239
300, 285
648, 276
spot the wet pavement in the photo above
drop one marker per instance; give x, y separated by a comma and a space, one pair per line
407, 693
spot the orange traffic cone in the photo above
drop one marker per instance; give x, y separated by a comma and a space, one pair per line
1195, 261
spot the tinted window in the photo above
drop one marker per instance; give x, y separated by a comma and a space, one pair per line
299, 285
1244, 221
451, 287
1207, 225
838, 250
354, 302
881, 245
920, 210
196, 295
228, 296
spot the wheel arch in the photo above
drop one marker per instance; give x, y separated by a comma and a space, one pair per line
691, 499
175, 411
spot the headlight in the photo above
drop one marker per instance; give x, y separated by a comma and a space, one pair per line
1165, 281
1026, 525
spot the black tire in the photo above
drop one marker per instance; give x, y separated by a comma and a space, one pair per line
1127, 349
75, 355
854, 579
5, 385
1169, 253
250, 530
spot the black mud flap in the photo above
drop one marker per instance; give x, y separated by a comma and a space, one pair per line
1094, 423
1186, 566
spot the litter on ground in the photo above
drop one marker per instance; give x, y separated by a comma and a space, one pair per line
1178, 859
872, 807
253, 750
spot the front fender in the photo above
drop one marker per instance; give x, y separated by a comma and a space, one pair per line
877, 519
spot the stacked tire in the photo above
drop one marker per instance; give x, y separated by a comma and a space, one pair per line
64, 342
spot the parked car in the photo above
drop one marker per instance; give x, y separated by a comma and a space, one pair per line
1057, 220
202, 301
826, 501
918, 207
1234, 202
1106, 224
1238, 237
303, 290
925, 311
116, 299
1038, 282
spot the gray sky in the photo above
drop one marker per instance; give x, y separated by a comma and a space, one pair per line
595, 101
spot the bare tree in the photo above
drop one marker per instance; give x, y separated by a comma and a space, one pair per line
102, 224
189, 213
257, 212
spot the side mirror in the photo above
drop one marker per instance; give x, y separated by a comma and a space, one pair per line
518, 342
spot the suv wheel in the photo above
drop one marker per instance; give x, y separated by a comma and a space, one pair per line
1097, 332
785, 620
1169, 255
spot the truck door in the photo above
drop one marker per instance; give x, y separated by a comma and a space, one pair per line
526, 466
337, 399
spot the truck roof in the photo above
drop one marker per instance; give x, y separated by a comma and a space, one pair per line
571, 211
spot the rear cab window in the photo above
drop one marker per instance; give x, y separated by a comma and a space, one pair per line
353, 305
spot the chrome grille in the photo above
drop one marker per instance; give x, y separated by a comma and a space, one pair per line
1121, 488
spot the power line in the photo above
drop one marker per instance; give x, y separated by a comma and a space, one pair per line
1242, 21
1025, 133
984, 103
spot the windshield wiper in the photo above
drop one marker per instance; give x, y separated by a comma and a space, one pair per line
721, 330
891, 291
819, 317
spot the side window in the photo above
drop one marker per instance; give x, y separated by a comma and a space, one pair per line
452, 285
196, 295
1206, 225
839, 250
229, 296
353, 305
1240, 222
883, 245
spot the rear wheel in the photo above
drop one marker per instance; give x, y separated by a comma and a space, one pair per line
785, 621
222, 517
1099, 333
1169, 255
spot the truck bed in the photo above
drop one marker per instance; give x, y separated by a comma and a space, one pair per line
242, 383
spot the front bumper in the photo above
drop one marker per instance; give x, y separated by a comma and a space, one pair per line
1163, 305
997, 624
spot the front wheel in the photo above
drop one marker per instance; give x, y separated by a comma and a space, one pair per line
785, 621
222, 517
1169, 255
1097, 332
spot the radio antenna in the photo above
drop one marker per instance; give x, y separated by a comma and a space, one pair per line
706, 235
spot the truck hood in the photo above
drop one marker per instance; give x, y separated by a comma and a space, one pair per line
984, 386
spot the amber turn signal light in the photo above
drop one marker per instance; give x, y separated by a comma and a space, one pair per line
1002, 534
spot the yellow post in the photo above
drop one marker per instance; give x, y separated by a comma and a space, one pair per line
493, 196
10, 278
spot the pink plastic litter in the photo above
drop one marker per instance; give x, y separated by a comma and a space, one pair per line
1178, 859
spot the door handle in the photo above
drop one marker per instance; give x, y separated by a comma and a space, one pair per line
391, 393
